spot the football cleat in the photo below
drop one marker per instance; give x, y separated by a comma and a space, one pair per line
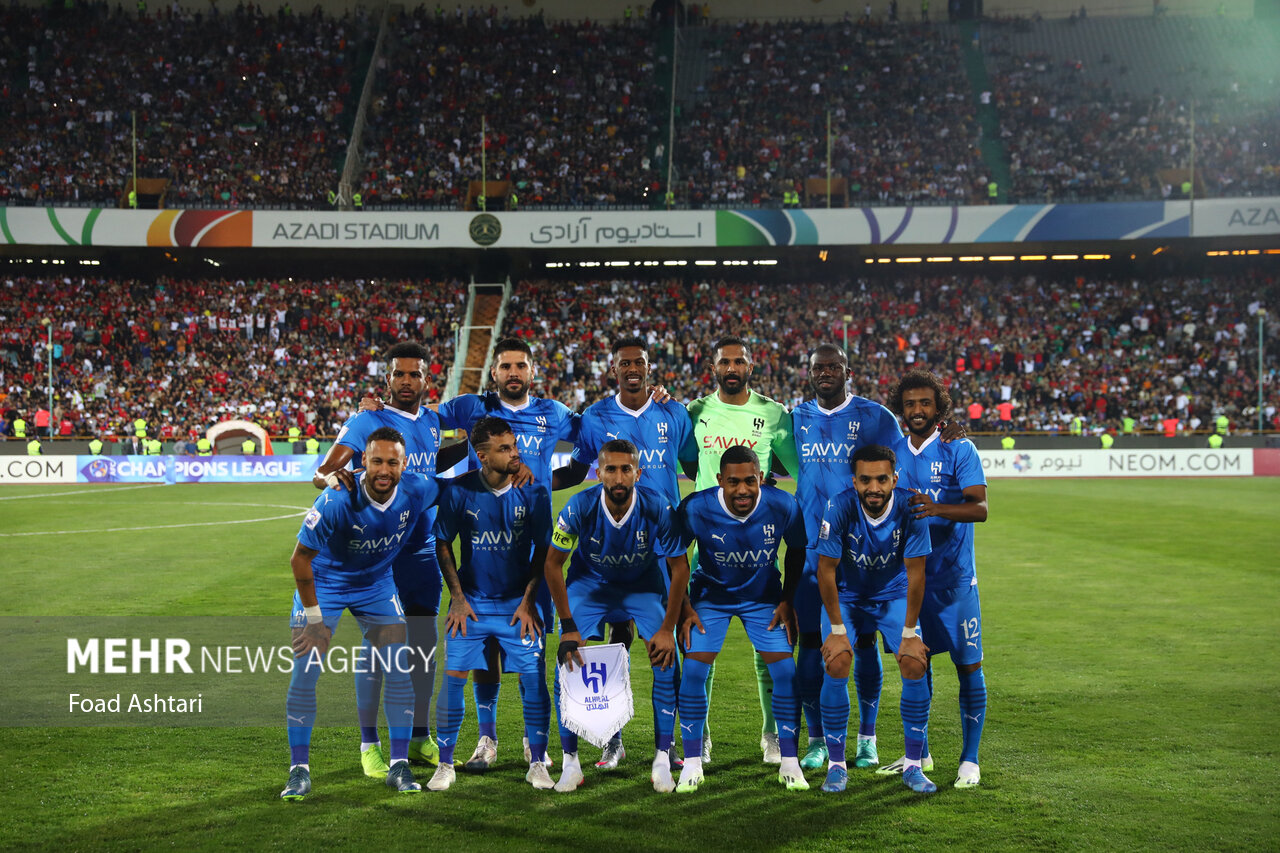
484, 757
614, 752
867, 755
837, 779
538, 776
968, 775
571, 778
374, 762
914, 778
769, 746
690, 780
815, 757
677, 763
299, 785
442, 778
528, 756
401, 778
706, 748
897, 767
661, 777
425, 751
793, 780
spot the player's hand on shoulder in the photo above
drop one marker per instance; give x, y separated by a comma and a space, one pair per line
523, 477
659, 393
952, 430
455, 621
313, 637
372, 402
922, 504
662, 649
567, 654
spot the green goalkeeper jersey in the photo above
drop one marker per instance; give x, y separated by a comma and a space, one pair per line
762, 424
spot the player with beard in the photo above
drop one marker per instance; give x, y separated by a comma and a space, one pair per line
736, 415
660, 430
951, 493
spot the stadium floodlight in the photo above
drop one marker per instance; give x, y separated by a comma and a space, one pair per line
908, 260
1032, 258
1066, 257
1001, 258
884, 260
940, 259
704, 263
766, 262
1097, 257
618, 263
967, 258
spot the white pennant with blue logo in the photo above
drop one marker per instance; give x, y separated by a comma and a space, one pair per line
595, 698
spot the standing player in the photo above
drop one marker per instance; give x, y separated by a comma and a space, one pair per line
417, 574
829, 429
736, 415
660, 430
620, 530
739, 528
342, 561
504, 531
871, 552
951, 492
537, 423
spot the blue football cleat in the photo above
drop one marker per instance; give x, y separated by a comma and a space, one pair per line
914, 778
837, 779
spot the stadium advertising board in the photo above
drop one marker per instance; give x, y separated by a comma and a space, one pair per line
159, 469
1117, 463
612, 229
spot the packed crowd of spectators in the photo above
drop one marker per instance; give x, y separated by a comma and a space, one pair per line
1100, 349
234, 109
902, 115
185, 354
567, 107
1071, 136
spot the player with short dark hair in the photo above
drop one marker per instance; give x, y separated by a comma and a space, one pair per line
736, 415
617, 532
950, 493
417, 574
739, 528
343, 561
503, 530
871, 551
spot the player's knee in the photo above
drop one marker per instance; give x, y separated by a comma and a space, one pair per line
381, 635
865, 641
811, 640
911, 668
967, 668
838, 667
702, 657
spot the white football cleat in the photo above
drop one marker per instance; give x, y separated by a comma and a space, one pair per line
442, 778
663, 782
770, 747
571, 778
968, 776
538, 777
485, 756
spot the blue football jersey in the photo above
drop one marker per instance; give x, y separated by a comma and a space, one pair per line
358, 539
498, 532
738, 557
538, 425
871, 551
826, 441
622, 553
661, 431
422, 444
944, 471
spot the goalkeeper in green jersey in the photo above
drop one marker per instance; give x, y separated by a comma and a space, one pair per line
736, 415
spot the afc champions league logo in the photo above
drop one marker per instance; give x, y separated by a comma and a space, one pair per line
594, 676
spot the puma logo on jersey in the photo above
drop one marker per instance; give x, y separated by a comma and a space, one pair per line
806, 429
474, 513
718, 537
359, 527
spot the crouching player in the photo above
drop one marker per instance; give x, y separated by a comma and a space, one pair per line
620, 530
871, 554
503, 531
739, 527
342, 561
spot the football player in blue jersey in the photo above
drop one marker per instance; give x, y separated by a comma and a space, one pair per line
343, 561
739, 527
416, 572
871, 554
658, 426
503, 531
950, 491
829, 429
618, 531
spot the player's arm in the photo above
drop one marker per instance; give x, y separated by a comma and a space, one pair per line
527, 613
450, 456
912, 646
973, 510
785, 457
837, 642
315, 636
455, 621
335, 465
569, 475
570, 636
662, 646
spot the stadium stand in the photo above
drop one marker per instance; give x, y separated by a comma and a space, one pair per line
184, 354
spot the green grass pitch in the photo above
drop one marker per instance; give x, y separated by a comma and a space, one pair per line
1130, 632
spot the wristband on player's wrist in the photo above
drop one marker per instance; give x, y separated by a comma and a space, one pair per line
839, 630
313, 614
568, 626
909, 632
